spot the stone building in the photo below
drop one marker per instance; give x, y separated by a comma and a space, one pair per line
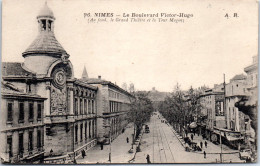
235, 90
213, 107
22, 127
113, 107
236, 121
70, 109
252, 80
252, 88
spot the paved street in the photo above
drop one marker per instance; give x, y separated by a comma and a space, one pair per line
164, 147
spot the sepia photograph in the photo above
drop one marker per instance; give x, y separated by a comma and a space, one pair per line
129, 82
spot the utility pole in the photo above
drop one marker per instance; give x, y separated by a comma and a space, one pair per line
224, 110
224, 103
220, 147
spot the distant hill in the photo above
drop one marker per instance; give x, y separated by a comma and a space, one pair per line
157, 96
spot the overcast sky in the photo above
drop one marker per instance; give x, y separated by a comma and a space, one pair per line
193, 53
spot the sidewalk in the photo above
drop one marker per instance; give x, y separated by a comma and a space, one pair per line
119, 150
213, 151
211, 147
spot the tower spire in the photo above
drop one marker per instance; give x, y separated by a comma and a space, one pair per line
84, 74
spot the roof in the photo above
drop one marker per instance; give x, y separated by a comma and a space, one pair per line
15, 69
85, 84
96, 81
9, 90
46, 12
104, 82
45, 43
239, 77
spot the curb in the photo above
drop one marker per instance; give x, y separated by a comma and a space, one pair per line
142, 132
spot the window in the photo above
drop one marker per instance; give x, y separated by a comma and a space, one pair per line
93, 129
76, 133
9, 145
39, 139
49, 25
80, 107
89, 129
21, 112
76, 106
86, 131
81, 132
39, 111
89, 106
93, 107
43, 25
85, 107
9, 112
21, 143
29, 88
31, 111
30, 147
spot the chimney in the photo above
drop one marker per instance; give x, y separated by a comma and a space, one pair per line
99, 77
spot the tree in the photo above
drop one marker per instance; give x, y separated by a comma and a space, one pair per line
181, 108
141, 110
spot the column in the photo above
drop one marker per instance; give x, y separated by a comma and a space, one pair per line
112, 103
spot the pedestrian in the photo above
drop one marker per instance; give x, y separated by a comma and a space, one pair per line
51, 151
101, 145
206, 144
204, 154
191, 137
127, 140
83, 153
201, 144
148, 159
194, 131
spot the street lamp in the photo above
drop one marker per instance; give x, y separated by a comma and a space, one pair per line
109, 155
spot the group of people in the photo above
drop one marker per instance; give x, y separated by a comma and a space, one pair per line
199, 148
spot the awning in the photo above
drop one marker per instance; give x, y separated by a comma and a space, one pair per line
231, 138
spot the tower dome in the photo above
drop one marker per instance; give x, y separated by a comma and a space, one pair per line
45, 42
46, 12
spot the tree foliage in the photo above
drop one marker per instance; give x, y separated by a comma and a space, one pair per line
141, 109
181, 107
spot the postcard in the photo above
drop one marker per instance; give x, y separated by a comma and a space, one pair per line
129, 82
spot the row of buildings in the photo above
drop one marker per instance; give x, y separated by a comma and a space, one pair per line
220, 116
48, 115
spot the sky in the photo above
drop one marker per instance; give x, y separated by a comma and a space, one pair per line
149, 54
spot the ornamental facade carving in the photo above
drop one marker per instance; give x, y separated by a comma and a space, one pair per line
58, 101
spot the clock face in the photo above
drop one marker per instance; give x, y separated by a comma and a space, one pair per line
60, 78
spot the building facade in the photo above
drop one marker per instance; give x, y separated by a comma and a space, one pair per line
113, 109
70, 109
22, 127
